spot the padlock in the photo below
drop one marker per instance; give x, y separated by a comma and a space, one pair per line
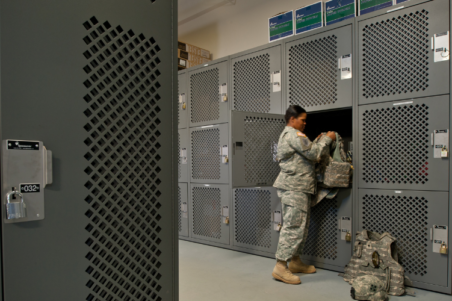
226, 159
444, 152
279, 227
184, 106
226, 220
348, 236
15, 210
225, 97
443, 249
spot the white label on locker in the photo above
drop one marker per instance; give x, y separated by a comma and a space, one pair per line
346, 66
276, 220
225, 211
224, 89
441, 51
182, 98
224, 154
276, 81
398, 191
183, 155
183, 207
439, 236
346, 226
441, 140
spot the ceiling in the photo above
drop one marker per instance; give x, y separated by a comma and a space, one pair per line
192, 8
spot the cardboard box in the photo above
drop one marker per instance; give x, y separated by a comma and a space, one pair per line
368, 6
191, 57
309, 17
182, 63
280, 26
182, 54
194, 49
339, 10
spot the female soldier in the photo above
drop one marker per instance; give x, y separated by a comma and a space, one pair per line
296, 182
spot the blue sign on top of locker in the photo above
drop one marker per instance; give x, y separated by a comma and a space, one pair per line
280, 26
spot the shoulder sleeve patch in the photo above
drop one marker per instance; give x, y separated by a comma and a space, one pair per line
300, 134
305, 143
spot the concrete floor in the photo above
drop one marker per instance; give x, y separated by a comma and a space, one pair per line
208, 273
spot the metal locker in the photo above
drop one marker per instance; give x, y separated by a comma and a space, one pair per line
208, 93
410, 216
314, 64
326, 246
254, 146
182, 194
256, 80
184, 154
210, 212
182, 100
396, 55
209, 154
257, 215
396, 148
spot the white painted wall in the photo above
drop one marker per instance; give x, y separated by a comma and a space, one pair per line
234, 28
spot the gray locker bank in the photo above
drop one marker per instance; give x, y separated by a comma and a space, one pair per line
381, 82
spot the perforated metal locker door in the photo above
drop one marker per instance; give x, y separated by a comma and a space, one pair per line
182, 100
208, 150
206, 105
409, 216
324, 246
209, 206
253, 78
184, 154
254, 218
313, 75
182, 197
395, 144
254, 146
396, 55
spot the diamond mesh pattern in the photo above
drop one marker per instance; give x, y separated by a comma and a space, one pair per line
206, 156
261, 142
322, 234
252, 84
178, 158
179, 199
395, 55
403, 133
313, 72
406, 218
207, 212
253, 217
205, 95
122, 164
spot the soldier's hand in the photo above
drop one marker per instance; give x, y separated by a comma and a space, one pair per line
332, 135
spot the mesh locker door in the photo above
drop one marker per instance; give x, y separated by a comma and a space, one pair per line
396, 55
324, 246
209, 206
206, 105
182, 100
254, 218
182, 198
252, 85
184, 153
209, 146
395, 149
313, 77
409, 216
255, 141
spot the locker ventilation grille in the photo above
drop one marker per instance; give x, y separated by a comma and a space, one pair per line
207, 212
395, 55
253, 217
123, 156
322, 234
318, 86
395, 128
180, 204
406, 218
205, 96
178, 158
206, 160
261, 143
252, 84
179, 105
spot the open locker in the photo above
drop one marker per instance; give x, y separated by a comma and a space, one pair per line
410, 216
256, 80
257, 214
182, 100
208, 93
182, 195
254, 138
209, 207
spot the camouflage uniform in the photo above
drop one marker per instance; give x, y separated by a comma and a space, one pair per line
296, 182
368, 288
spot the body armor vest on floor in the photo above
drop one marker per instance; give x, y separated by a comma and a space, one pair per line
375, 254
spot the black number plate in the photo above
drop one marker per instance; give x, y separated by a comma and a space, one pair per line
30, 188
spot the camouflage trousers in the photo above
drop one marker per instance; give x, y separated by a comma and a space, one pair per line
296, 210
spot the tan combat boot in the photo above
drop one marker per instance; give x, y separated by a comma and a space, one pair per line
296, 266
282, 273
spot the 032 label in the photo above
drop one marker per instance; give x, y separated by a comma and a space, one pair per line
30, 188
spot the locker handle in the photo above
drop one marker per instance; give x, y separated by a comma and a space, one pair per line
431, 139
233, 149
391, 10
